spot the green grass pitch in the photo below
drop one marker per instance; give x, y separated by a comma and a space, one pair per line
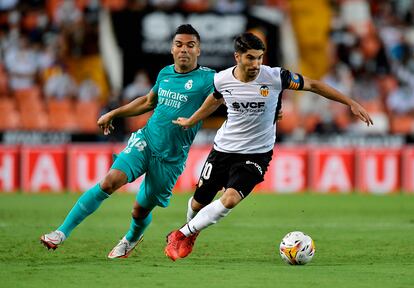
361, 241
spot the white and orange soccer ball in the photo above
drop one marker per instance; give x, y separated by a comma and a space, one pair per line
297, 248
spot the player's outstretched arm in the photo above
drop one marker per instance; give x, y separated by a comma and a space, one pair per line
209, 106
136, 107
329, 92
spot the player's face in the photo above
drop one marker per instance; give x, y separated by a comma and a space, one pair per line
249, 62
185, 50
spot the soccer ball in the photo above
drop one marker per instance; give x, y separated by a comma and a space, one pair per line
297, 248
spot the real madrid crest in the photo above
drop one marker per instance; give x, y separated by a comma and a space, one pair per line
264, 91
189, 84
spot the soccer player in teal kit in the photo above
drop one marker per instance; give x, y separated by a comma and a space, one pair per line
159, 149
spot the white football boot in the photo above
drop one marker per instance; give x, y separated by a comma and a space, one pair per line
53, 239
124, 248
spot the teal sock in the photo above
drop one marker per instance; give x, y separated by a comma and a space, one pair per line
137, 228
86, 205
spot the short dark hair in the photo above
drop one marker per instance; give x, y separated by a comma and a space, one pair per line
247, 41
187, 29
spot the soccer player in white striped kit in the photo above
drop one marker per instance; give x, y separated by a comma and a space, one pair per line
243, 146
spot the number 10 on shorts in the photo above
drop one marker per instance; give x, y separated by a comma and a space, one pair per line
206, 173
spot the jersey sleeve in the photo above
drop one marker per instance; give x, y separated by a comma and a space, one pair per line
216, 84
291, 80
210, 83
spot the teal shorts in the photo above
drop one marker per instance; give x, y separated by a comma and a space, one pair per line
160, 176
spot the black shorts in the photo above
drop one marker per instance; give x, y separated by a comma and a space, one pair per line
241, 172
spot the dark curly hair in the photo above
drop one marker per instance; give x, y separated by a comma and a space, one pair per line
187, 29
247, 41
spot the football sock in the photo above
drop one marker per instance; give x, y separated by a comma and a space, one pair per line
86, 205
137, 228
190, 212
207, 216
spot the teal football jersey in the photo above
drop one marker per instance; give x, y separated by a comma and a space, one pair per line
179, 95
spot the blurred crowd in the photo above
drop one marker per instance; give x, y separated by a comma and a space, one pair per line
52, 76
371, 59
43, 83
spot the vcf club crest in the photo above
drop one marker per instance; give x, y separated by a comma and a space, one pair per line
189, 84
264, 91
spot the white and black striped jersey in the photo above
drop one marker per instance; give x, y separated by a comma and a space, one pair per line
251, 109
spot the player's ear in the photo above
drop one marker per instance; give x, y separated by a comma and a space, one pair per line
237, 56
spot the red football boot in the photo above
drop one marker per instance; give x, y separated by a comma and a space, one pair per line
174, 240
186, 245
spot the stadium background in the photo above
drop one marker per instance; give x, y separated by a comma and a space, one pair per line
63, 63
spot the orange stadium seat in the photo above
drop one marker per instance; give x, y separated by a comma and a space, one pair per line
81, 4
137, 122
373, 106
342, 120
29, 101
51, 7
402, 124
34, 120
27, 96
61, 115
114, 4
310, 122
7, 103
9, 116
195, 5
31, 108
3, 81
87, 114
30, 20
291, 119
